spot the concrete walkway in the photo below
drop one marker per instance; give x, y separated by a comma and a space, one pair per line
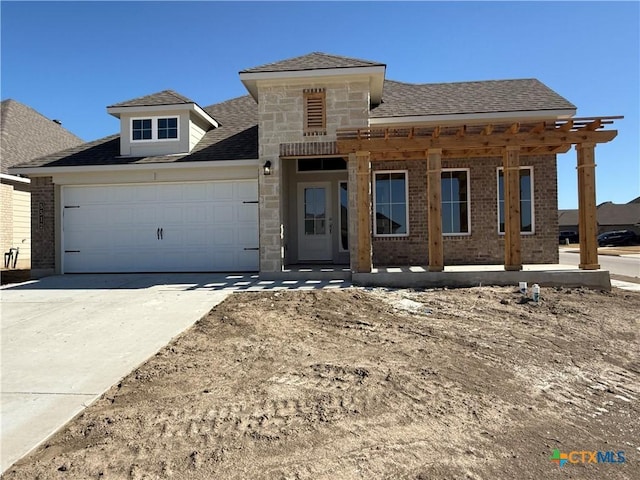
66, 339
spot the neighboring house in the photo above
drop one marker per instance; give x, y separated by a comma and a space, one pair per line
610, 216
325, 161
25, 135
568, 220
614, 216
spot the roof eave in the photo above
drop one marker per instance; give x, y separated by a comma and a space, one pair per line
376, 74
479, 117
150, 109
47, 171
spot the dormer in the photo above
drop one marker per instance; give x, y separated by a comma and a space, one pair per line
163, 123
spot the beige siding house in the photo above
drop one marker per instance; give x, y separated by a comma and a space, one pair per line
324, 162
25, 135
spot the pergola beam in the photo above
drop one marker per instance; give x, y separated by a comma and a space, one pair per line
551, 138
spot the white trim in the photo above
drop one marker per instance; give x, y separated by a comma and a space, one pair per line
313, 73
461, 234
477, 117
375, 75
14, 178
340, 249
45, 171
533, 210
406, 200
178, 107
154, 129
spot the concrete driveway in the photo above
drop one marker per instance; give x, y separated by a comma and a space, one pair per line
67, 339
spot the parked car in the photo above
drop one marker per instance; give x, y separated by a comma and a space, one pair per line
568, 235
618, 237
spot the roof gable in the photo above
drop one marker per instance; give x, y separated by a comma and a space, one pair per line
165, 97
27, 134
313, 61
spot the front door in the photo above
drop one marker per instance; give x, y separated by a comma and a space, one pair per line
314, 222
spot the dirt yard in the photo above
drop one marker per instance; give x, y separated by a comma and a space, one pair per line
372, 384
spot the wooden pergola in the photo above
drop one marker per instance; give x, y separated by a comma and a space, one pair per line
507, 140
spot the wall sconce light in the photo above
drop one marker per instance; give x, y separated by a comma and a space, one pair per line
267, 167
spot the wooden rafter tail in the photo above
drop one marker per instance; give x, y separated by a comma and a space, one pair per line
411, 132
436, 132
461, 131
565, 127
386, 134
539, 128
597, 123
487, 129
514, 128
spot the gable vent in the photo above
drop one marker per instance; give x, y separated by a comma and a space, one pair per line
315, 116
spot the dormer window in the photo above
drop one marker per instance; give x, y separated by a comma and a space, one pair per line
154, 129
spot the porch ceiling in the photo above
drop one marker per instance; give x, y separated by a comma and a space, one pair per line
476, 140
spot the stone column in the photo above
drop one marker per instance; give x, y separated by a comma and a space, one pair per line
271, 232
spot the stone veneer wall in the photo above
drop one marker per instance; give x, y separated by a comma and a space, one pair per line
484, 245
43, 247
280, 117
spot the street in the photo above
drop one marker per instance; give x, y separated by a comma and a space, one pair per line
627, 265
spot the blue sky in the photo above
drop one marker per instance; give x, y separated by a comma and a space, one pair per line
69, 60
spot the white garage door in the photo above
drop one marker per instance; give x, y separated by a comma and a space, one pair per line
184, 227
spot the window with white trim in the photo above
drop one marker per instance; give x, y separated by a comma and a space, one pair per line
154, 128
526, 200
390, 203
455, 202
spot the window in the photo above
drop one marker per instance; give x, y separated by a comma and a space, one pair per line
167, 128
390, 204
455, 202
141, 129
315, 117
154, 128
526, 200
344, 216
321, 164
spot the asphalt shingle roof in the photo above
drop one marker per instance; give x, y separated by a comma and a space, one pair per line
26, 134
406, 99
619, 214
313, 61
165, 97
237, 136
235, 139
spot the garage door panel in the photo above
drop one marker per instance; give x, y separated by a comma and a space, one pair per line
205, 227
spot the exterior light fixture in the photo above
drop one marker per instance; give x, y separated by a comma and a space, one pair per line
267, 167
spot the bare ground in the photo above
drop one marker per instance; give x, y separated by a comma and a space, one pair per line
446, 384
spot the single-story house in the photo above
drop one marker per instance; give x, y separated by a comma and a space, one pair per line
610, 216
26, 134
324, 161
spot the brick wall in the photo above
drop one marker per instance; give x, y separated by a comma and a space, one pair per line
42, 225
484, 245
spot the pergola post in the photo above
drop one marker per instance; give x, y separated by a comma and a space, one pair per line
587, 213
434, 201
363, 211
511, 186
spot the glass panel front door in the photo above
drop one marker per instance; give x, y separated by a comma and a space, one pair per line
314, 222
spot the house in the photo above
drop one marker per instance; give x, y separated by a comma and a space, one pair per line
25, 135
610, 216
325, 161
